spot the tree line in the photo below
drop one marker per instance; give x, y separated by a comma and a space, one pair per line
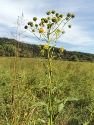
9, 48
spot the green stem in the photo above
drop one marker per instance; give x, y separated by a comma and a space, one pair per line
50, 82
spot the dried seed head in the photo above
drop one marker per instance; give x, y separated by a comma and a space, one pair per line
72, 16
42, 20
67, 18
42, 24
57, 15
59, 19
48, 12
36, 25
31, 24
48, 26
52, 24
46, 20
58, 31
69, 15
53, 12
26, 27
63, 32
69, 26
33, 30
34, 18
61, 15
54, 19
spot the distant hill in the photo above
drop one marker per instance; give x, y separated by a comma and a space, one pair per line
9, 47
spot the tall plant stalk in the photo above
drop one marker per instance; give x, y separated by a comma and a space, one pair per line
16, 35
50, 82
50, 30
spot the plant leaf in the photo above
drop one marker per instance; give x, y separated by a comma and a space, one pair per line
38, 104
86, 123
61, 106
41, 120
47, 110
63, 101
71, 99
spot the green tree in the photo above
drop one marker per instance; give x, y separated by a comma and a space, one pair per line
26, 53
2, 52
74, 58
9, 49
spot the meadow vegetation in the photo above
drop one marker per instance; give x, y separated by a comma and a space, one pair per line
70, 80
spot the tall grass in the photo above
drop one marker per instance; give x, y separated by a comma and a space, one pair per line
70, 79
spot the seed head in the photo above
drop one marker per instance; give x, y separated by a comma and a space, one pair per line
57, 15
46, 20
58, 31
48, 12
67, 18
69, 26
34, 18
72, 16
42, 24
69, 15
59, 19
54, 19
26, 27
52, 24
33, 30
48, 26
53, 12
31, 24
36, 25
63, 32
61, 15
42, 20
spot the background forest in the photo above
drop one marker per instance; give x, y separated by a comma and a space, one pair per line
8, 48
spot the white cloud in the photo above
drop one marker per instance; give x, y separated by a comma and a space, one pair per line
82, 32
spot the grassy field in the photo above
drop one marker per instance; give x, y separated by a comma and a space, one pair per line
24, 89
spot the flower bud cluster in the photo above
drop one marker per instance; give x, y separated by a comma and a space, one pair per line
70, 15
42, 52
31, 24
41, 30
50, 22
61, 49
45, 47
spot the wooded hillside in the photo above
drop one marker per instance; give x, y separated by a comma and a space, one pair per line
9, 47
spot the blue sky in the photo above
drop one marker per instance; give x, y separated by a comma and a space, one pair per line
79, 38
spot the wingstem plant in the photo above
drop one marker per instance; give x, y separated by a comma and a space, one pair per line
50, 29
